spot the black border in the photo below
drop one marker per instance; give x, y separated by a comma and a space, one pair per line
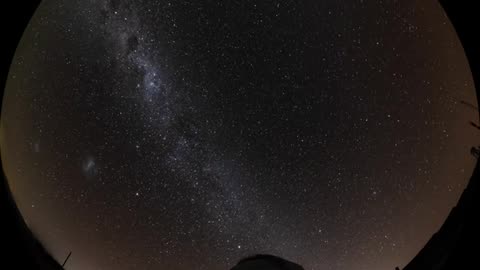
20, 250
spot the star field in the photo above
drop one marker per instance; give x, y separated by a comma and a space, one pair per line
187, 135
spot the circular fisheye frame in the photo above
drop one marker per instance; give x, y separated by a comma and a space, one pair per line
191, 134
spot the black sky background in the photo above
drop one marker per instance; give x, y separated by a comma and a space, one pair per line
303, 135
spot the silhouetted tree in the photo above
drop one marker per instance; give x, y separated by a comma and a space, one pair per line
474, 125
475, 152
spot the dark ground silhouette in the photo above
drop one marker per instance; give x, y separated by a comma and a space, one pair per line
20, 248
266, 262
455, 245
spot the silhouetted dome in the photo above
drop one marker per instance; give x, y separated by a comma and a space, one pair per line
266, 262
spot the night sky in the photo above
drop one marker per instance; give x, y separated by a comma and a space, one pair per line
189, 134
